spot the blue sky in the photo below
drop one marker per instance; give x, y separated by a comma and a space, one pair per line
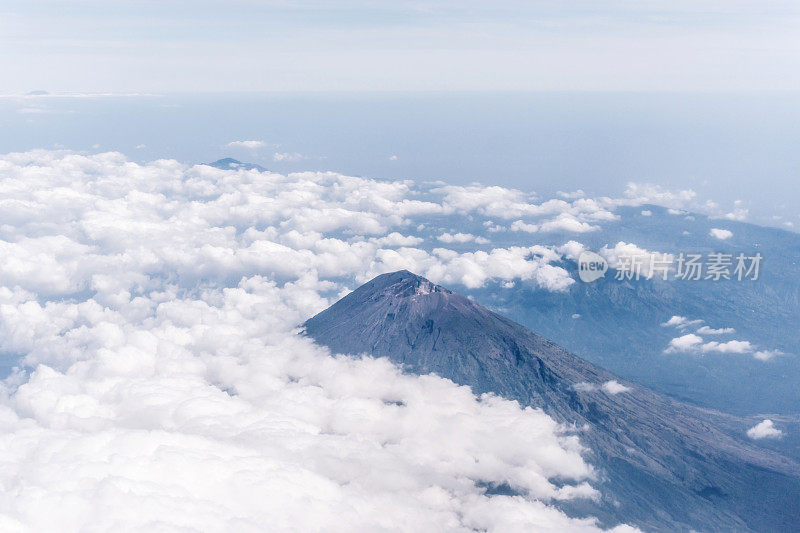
171, 45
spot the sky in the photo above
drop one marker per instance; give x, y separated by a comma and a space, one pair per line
166, 46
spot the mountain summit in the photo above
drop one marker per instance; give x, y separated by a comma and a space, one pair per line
664, 465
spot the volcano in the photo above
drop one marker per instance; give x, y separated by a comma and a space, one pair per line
664, 465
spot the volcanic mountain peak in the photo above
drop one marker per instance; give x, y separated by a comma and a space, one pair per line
402, 284
699, 462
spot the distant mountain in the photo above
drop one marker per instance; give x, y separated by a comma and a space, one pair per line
229, 163
618, 324
665, 465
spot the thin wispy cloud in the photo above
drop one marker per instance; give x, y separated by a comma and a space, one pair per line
287, 157
250, 145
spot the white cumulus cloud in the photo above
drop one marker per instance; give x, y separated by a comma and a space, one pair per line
684, 343
613, 387
676, 320
569, 223
637, 261
764, 430
728, 347
461, 238
163, 385
721, 234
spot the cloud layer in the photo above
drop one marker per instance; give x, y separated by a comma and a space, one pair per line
163, 384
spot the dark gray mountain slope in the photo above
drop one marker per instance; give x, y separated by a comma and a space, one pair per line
664, 465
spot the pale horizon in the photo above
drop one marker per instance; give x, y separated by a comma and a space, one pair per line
128, 46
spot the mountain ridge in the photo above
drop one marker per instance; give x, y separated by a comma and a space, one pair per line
644, 443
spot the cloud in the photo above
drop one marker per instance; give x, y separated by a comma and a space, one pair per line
490, 201
563, 222
648, 193
766, 355
721, 234
705, 330
287, 157
728, 347
569, 223
250, 145
585, 387
737, 214
612, 387
506, 203
764, 430
678, 202
395, 239
682, 322
311, 222
685, 343
519, 225
638, 261
609, 387
491, 227
461, 238
676, 320
694, 343
163, 384
571, 250
572, 195
474, 269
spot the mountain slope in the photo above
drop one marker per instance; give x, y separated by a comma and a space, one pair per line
665, 465
621, 320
